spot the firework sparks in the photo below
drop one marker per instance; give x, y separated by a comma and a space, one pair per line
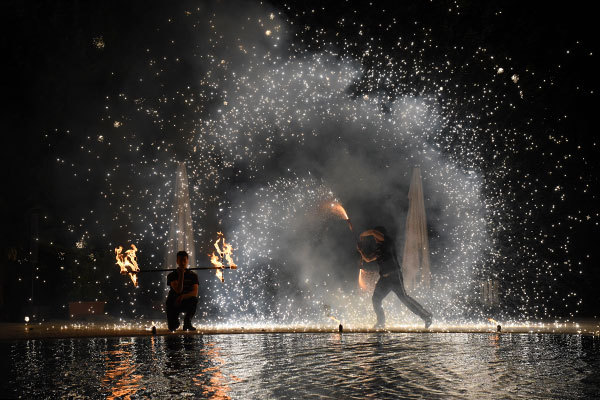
291, 122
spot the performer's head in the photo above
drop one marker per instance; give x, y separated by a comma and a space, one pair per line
182, 259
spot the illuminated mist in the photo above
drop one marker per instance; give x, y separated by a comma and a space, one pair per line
274, 118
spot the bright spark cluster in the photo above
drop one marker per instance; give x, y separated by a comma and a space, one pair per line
263, 108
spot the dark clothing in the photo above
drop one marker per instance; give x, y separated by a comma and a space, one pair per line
386, 257
394, 283
188, 306
390, 279
189, 280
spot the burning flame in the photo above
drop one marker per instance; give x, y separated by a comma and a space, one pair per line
338, 210
216, 261
224, 251
128, 262
493, 321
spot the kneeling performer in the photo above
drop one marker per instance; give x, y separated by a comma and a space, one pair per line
390, 277
183, 296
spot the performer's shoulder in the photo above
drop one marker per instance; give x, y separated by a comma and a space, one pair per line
194, 277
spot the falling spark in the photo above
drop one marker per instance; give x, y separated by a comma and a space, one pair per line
99, 42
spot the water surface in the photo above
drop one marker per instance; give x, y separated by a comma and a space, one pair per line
353, 366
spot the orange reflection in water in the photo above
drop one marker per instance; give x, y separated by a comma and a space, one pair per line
495, 339
214, 383
120, 378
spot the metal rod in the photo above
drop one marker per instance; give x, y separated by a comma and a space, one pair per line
196, 268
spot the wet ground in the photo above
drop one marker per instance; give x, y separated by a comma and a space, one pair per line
306, 365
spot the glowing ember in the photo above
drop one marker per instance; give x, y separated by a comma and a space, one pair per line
493, 321
99, 42
128, 262
335, 319
224, 251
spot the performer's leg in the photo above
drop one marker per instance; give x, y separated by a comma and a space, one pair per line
382, 288
172, 316
411, 303
189, 307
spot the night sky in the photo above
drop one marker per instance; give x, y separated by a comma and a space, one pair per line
69, 65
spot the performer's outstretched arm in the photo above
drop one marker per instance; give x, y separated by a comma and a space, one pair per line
372, 232
366, 258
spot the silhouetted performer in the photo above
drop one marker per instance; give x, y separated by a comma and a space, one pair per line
183, 296
390, 276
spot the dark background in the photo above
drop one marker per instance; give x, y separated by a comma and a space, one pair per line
54, 79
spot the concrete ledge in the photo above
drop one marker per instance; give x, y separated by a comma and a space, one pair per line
69, 329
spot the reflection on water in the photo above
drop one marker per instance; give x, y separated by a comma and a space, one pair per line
211, 378
120, 378
377, 365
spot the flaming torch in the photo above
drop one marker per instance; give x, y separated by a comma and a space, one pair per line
338, 210
128, 262
224, 251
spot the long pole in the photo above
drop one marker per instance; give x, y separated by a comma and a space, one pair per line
196, 268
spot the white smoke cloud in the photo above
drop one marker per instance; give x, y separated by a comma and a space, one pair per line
292, 126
